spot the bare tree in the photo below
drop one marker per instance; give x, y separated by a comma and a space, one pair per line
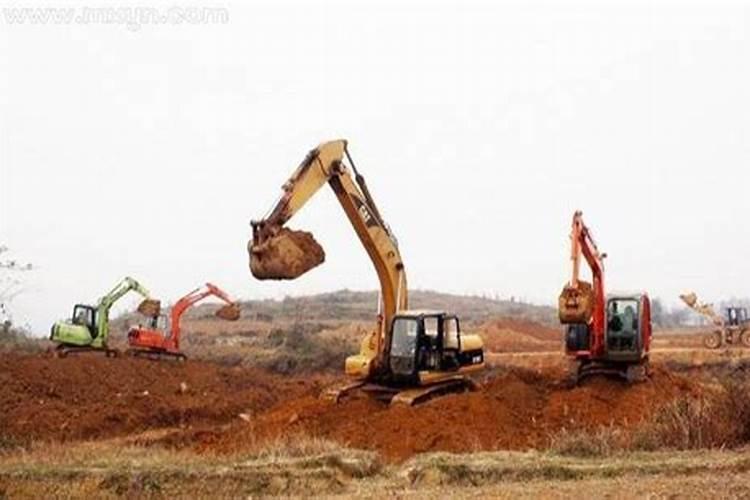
10, 282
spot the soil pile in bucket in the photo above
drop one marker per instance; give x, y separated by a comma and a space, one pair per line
229, 312
149, 307
286, 255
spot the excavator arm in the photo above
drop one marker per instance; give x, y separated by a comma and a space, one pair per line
279, 253
580, 301
148, 306
691, 300
229, 312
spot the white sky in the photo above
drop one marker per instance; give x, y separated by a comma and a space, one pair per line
479, 126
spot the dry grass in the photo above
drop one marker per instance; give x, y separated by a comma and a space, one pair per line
104, 469
718, 419
308, 466
601, 442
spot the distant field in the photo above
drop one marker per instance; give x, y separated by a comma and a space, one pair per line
244, 416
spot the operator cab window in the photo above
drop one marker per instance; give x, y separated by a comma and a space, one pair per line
404, 339
161, 322
429, 349
404, 336
431, 327
622, 324
83, 316
451, 333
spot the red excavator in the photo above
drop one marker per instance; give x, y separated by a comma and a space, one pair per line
606, 334
154, 342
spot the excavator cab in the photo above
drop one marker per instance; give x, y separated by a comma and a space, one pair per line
736, 316
424, 342
79, 330
85, 316
628, 327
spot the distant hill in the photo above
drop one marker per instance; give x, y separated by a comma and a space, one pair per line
315, 333
347, 305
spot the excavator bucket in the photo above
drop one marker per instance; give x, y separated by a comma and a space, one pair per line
285, 256
689, 298
230, 312
576, 304
149, 307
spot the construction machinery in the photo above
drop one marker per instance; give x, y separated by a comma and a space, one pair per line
410, 356
153, 341
732, 328
88, 328
605, 334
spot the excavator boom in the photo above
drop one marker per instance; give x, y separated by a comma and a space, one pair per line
279, 253
580, 301
410, 356
147, 307
691, 300
230, 311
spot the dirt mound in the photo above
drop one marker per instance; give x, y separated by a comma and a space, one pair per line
512, 410
214, 408
517, 335
90, 396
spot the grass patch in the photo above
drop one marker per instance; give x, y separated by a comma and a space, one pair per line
601, 442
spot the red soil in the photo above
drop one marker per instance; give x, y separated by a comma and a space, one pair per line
89, 396
515, 410
516, 335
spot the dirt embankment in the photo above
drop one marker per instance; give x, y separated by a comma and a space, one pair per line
513, 410
89, 396
517, 335
199, 404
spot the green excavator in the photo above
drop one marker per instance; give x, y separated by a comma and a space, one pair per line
88, 328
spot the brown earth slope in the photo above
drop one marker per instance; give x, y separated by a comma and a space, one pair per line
90, 396
512, 410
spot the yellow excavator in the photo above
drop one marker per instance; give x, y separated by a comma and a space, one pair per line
734, 328
410, 356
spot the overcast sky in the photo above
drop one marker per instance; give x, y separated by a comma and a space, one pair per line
480, 127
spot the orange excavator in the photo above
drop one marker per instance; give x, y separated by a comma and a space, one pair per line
606, 334
154, 342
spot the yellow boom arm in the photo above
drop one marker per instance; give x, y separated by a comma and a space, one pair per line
278, 253
691, 300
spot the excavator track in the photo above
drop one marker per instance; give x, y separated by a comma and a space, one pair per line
156, 355
399, 395
631, 373
63, 351
420, 395
337, 392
